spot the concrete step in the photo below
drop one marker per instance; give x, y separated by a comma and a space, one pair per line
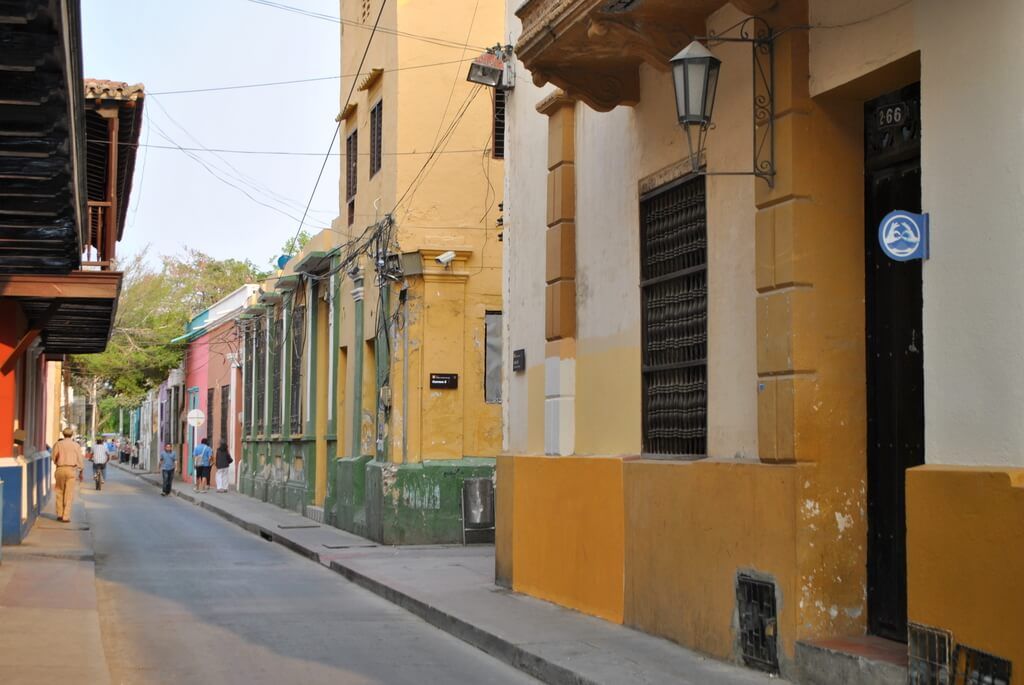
866, 660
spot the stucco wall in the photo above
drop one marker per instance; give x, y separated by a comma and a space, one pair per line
525, 225
972, 142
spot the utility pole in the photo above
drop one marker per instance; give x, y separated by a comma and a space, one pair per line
94, 390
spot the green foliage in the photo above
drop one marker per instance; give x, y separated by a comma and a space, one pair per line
154, 308
292, 246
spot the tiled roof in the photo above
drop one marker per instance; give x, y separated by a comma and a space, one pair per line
102, 89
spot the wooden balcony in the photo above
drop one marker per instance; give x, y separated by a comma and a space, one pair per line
593, 49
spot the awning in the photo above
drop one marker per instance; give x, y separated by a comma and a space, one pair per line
73, 313
315, 262
287, 283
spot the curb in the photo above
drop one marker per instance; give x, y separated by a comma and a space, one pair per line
508, 652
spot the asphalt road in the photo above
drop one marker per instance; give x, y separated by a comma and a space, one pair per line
185, 597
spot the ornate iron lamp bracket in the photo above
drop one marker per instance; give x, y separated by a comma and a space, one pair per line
756, 32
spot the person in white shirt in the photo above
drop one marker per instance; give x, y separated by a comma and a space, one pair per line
100, 456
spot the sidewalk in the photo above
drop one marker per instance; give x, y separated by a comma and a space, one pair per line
50, 630
452, 588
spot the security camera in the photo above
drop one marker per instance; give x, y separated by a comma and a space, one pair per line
445, 258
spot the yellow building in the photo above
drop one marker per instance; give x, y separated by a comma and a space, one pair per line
739, 424
383, 392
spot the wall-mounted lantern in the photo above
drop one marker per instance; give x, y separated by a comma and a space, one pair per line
695, 72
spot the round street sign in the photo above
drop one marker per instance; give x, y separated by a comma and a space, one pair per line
196, 418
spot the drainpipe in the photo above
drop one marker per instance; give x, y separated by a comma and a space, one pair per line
382, 347
357, 375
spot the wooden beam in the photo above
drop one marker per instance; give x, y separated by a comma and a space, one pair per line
19, 349
83, 285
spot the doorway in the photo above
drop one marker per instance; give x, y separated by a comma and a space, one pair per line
895, 372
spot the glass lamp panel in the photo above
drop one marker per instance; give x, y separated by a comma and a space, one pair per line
696, 74
679, 81
709, 93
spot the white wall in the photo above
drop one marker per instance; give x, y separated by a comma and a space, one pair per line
972, 145
972, 131
525, 223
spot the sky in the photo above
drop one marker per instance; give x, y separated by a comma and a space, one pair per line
177, 199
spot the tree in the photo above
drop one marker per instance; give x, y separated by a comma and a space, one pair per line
154, 308
293, 245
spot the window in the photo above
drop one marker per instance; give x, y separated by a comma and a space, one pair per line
375, 138
225, 407
276, 358
298, 338
673, 224
351, 167
209, 413
492, 357
247, 388
498, 133
260, 374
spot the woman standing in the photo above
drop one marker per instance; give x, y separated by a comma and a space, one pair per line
223, 461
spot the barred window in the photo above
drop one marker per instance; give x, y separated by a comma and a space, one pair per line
209, 413
276, 358
298, 340
351, 169
247, 387
673, 223
260, 374
225, 408
376, 124
498, 120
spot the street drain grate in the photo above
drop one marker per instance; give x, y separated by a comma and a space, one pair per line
300, 525
975, 667
348, 546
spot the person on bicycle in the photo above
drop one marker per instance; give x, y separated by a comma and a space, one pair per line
100, 457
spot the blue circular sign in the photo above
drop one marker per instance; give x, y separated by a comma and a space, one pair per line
903, 235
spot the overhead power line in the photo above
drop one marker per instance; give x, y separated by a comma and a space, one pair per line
337, 128
315, 79
442, 42
231, 151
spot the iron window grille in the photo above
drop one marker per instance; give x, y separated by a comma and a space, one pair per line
755, 601
247, 387
673, 288
351, 169
209, 413
260, 375
225, 408
975, 667
927, 655
376, 124
298, 341
498, 118
276, 358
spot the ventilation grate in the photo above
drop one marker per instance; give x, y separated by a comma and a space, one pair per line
928, 653
755, 600
975, 667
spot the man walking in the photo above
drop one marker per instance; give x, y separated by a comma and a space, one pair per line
100, 457
67, 458
167, 461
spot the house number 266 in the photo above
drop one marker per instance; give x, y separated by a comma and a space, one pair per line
892, 115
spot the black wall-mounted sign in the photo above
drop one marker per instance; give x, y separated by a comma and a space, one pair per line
444, 381
519, 360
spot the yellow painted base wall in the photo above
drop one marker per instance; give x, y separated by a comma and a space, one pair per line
692, 527
965, 555
567, 536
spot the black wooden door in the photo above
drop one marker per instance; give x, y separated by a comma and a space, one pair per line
895, 375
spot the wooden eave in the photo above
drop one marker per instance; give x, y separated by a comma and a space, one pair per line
593, 49
43, 224
73, 312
